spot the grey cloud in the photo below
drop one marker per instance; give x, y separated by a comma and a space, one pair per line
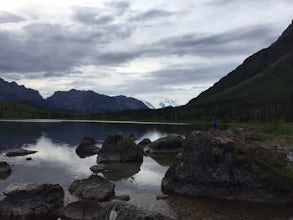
151, 14
89, 15
47, 48
120, 7
6, 17
237, 41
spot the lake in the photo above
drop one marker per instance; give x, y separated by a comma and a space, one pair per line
57, 162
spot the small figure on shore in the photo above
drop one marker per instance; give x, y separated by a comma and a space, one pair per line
214, 125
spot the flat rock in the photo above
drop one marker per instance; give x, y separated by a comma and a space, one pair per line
117, 148
216, 165
31, 201
18, 152
94, 188
5, 170
169, 144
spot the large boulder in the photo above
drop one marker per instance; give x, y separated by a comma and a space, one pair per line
94, 188
169, 144
117, 148
31, 201
85, 210
87, 147
215, 165
17, 152
5, 170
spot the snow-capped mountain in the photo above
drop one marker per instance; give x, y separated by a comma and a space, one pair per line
159, 102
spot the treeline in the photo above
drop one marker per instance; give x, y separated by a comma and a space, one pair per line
242, 110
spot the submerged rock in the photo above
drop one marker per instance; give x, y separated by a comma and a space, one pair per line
94, 188
169, 144
87, 147
31, 201
214, 165
5, 170
117, 148
18, 152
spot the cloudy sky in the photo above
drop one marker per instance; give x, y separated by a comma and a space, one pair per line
165, 48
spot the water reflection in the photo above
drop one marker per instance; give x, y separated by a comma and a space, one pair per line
118, 171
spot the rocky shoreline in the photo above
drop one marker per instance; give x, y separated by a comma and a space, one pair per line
218, 165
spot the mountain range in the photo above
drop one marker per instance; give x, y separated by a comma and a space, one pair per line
260, 89
74, 100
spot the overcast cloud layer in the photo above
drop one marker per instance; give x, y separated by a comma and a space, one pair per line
165, 48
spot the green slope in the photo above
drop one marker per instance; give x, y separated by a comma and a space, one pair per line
262, 62
260, 89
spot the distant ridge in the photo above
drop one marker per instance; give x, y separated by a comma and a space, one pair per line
74, 100
91, 102
261, 87
12, 92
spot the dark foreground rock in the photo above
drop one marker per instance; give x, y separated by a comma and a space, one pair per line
93, 188
217, 166
117, 148
85, 210
18, 152
31, 201
87, 147
5, 170
169, 144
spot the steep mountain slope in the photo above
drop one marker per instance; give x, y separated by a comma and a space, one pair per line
91, 102
12, 92
266, 74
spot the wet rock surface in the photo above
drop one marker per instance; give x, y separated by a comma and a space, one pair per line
169, 144
87, 147
94, 188
31, 201
117, 148
17, 152
215, 165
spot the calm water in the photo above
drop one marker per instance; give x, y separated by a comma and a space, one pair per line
57, 162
